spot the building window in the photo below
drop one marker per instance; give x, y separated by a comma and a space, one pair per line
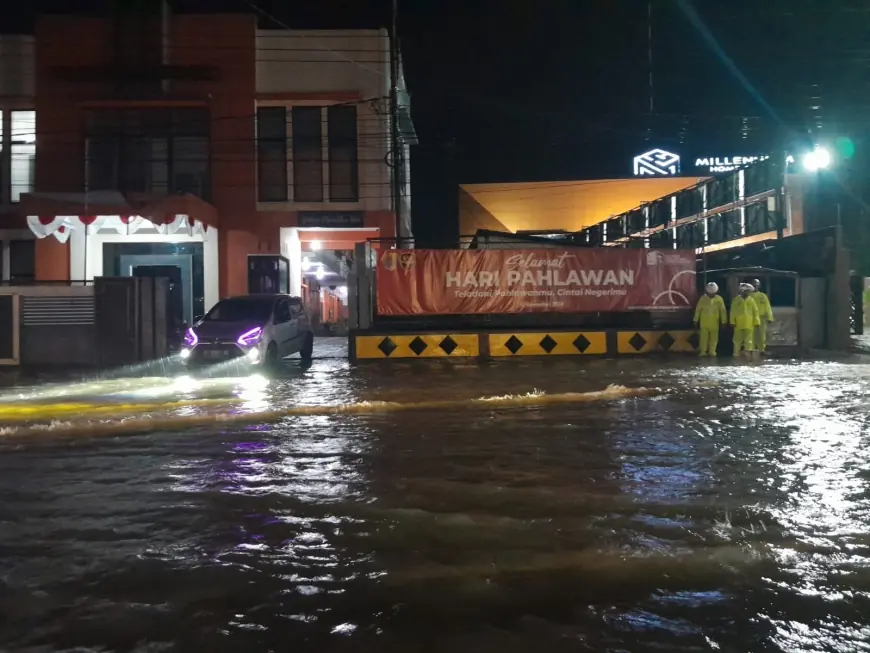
307, 155
342, 134
160, 151
23, 156
272, 154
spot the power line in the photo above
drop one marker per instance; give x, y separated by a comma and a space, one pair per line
338, 56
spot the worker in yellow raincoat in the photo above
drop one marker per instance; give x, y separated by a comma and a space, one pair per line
709, 314
765, 314
744, 319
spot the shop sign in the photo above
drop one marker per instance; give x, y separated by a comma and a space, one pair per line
332, 219
489, 281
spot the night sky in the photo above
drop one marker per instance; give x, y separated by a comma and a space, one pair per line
560, 89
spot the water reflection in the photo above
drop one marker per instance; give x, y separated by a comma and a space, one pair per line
729, 513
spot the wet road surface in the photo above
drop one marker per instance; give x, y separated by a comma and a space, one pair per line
724, 508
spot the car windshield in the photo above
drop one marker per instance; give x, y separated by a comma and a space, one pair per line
241, 309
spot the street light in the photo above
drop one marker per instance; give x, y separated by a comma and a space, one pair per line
818, 159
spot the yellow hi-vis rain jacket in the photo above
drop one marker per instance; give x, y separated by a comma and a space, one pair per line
762, 301
744, 313
710, 312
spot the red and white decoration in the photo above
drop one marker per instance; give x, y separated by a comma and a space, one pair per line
59, 214
61, 226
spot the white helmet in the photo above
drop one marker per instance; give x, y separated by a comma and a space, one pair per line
747, 286
713, 287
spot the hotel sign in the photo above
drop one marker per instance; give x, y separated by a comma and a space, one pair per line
657, 162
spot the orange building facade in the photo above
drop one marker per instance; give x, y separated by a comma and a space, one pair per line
186, 143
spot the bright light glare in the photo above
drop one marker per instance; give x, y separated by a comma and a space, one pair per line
252, 392
316, 245
306, 263
185, 383
185, 354
255, 382
320, 273
253, 355
818, 159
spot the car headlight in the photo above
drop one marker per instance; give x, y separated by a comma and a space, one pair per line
250, 338
190, 338
185, 353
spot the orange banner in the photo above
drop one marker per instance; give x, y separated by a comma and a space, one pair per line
465, 282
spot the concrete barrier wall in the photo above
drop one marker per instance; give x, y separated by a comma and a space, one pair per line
366, 345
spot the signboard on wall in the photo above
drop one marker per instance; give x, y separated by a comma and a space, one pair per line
332, 219
465, 282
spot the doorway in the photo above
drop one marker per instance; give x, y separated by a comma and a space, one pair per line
179, 268
175, 315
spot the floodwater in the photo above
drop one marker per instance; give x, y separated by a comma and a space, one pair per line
442, 507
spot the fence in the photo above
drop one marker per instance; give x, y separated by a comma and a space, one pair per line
106, 323
47, 324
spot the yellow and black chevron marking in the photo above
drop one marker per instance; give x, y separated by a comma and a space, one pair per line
423, 345
558, 343
646, 342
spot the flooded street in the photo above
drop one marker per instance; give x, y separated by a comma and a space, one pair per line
434, 507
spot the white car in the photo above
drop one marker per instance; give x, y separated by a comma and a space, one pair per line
262, 329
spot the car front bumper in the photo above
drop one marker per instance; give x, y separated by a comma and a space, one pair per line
214, 353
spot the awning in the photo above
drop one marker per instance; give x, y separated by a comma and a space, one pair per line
58, 214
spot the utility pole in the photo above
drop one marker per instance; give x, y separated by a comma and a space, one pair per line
396, 158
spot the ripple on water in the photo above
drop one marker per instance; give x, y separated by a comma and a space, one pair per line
729, 513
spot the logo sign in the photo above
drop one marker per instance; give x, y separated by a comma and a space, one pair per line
499, 281
332, 219
657, 162
394, 259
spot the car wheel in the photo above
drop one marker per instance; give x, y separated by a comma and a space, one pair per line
307, 351
271, 356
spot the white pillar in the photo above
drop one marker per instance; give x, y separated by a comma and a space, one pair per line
210, 269
78, 269
291, 249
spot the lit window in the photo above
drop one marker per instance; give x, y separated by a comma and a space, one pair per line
23, 153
